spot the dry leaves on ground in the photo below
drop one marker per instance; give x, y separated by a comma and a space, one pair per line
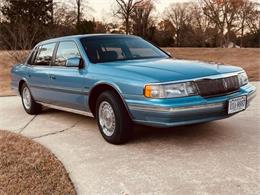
27, 167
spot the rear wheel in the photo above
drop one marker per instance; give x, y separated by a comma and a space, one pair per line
113, 120
30, 106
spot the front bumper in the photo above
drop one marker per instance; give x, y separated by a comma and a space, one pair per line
184, 111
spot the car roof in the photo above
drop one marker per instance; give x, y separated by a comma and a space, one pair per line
77, 37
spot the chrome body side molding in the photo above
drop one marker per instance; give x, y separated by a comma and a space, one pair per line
85, 113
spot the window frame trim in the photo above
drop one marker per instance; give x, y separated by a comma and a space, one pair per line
55, 54
31, 56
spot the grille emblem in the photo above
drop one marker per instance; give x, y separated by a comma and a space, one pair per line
225, 84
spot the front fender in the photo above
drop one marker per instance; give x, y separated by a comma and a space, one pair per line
113, 86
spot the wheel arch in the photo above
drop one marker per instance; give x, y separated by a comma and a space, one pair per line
98, 89
21, 82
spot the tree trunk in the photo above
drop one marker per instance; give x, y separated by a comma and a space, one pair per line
228, 34
78, 11
127, 25
242, 35
221, 41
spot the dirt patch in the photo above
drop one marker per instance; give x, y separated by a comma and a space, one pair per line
247, 58
28, 168
6, 63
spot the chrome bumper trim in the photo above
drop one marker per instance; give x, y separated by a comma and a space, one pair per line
177, 109
251, 96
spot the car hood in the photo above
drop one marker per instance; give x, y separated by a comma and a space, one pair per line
164, 70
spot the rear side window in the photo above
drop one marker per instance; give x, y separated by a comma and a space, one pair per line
44, 55
66, 50
32, 56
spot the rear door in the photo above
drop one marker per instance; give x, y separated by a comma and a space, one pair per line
38, 72
67, 83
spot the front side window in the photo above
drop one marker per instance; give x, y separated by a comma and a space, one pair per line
44, 55
65, 51
113, 48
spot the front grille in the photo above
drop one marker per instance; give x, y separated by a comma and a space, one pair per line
216, 87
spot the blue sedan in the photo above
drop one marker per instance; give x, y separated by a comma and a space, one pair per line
122, 80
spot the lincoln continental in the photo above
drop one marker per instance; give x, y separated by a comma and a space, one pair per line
123, 80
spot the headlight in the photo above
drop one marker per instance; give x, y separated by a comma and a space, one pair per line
170, 90
243, 79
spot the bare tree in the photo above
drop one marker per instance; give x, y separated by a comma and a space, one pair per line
19, 41
200, 23
247, 14
64, 16
231, 16
216, 12
253, 18
78, 2
179, 14
142, 17
124, 10
232, 8
81, 6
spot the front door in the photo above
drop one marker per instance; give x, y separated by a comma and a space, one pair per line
67, 83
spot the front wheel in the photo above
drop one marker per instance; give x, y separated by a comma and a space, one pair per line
30, 106
113, 120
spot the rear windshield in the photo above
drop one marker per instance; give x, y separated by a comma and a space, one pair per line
109, 49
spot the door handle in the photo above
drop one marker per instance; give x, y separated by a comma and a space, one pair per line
52, 77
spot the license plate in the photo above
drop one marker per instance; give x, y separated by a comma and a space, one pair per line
237, 104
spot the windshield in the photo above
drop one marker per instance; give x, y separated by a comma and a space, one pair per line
118, 48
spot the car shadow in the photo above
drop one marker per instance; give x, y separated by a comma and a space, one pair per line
206, 132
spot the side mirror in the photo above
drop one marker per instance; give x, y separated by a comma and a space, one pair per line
74, 62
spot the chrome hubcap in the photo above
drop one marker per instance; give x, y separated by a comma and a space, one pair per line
107, 119
27, 98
